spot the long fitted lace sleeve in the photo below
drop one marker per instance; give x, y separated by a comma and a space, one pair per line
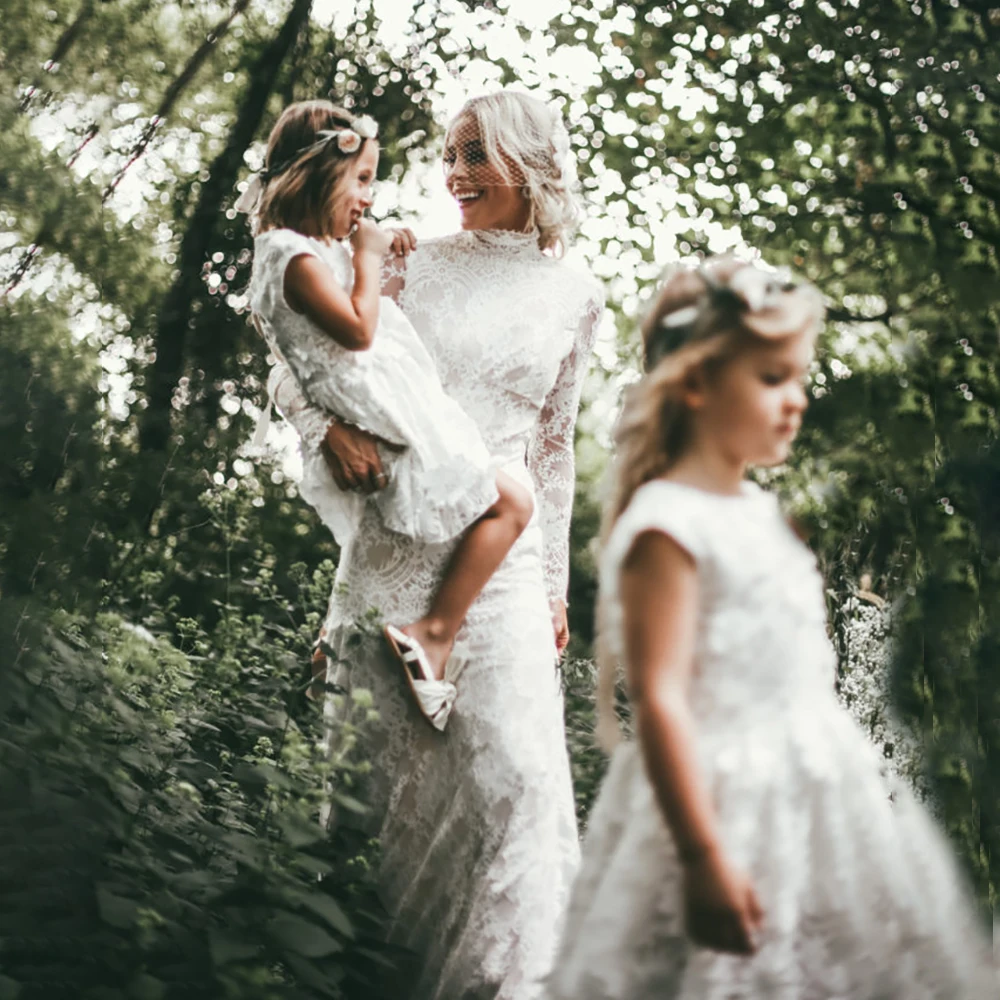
551, 459
393, 277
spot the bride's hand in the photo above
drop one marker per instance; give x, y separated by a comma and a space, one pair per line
404, 242
353, 458
560, 624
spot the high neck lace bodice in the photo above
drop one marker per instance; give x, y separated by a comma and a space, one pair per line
507, 242
510, 329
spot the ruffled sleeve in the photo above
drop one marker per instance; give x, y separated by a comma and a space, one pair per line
311, 422
551, 459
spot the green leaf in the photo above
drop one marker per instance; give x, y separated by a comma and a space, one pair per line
349, 802
325, 980
328, 908
116, 911
146, 987
300, 832
224, 947
9, 990
303, 937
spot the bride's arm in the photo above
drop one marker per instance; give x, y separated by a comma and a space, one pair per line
349, 453
551, 459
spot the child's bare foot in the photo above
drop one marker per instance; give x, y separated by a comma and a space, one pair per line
435, 639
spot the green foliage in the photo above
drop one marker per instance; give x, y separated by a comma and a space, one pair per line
587, 760
160, 834
162, 772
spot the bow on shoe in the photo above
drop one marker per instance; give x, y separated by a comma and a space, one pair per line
436, 699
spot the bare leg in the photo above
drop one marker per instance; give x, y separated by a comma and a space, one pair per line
478, 555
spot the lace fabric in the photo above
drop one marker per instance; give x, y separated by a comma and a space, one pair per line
476, 825
862, 898
443, 478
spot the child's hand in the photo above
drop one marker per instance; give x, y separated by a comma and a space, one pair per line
721, 908
368, 238
403, 243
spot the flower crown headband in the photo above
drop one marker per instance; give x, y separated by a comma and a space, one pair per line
348, 140
755, 296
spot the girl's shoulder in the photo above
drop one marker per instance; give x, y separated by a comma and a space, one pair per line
273, 240
289, 243
273, 249
699, 521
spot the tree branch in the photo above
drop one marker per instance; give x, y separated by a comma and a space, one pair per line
174, 91
166, 106
65, 43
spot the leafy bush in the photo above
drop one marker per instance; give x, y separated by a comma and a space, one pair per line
160, 831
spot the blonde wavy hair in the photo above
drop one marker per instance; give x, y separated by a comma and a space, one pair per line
526, 142
702, 318
300, 174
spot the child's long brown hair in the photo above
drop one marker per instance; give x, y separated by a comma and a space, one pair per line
701, 318
300, 173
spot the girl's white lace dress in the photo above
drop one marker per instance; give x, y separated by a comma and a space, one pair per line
861, 897
477, 831
443, 480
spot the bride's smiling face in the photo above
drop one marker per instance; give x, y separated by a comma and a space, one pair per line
486, 198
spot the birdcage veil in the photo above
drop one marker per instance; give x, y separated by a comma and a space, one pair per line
513, 139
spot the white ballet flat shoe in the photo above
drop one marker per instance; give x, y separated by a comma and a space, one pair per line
434, 698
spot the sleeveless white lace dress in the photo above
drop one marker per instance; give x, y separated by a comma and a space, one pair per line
477, 830
862, 899
443, 480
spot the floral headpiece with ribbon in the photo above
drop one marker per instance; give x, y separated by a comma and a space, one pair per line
348, 140
768, 304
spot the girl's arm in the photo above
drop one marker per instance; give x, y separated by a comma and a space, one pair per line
311, 289
659, 594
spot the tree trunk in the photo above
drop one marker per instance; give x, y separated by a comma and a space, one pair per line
176, 314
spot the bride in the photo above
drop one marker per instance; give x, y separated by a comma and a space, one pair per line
477, 831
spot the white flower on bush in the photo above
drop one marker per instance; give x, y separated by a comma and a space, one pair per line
865, 689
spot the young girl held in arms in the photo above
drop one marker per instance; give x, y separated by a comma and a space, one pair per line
356, 355
745, 847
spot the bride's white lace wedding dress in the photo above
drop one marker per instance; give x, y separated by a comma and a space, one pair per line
478, 840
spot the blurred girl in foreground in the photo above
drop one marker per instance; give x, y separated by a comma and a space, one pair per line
744, 847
